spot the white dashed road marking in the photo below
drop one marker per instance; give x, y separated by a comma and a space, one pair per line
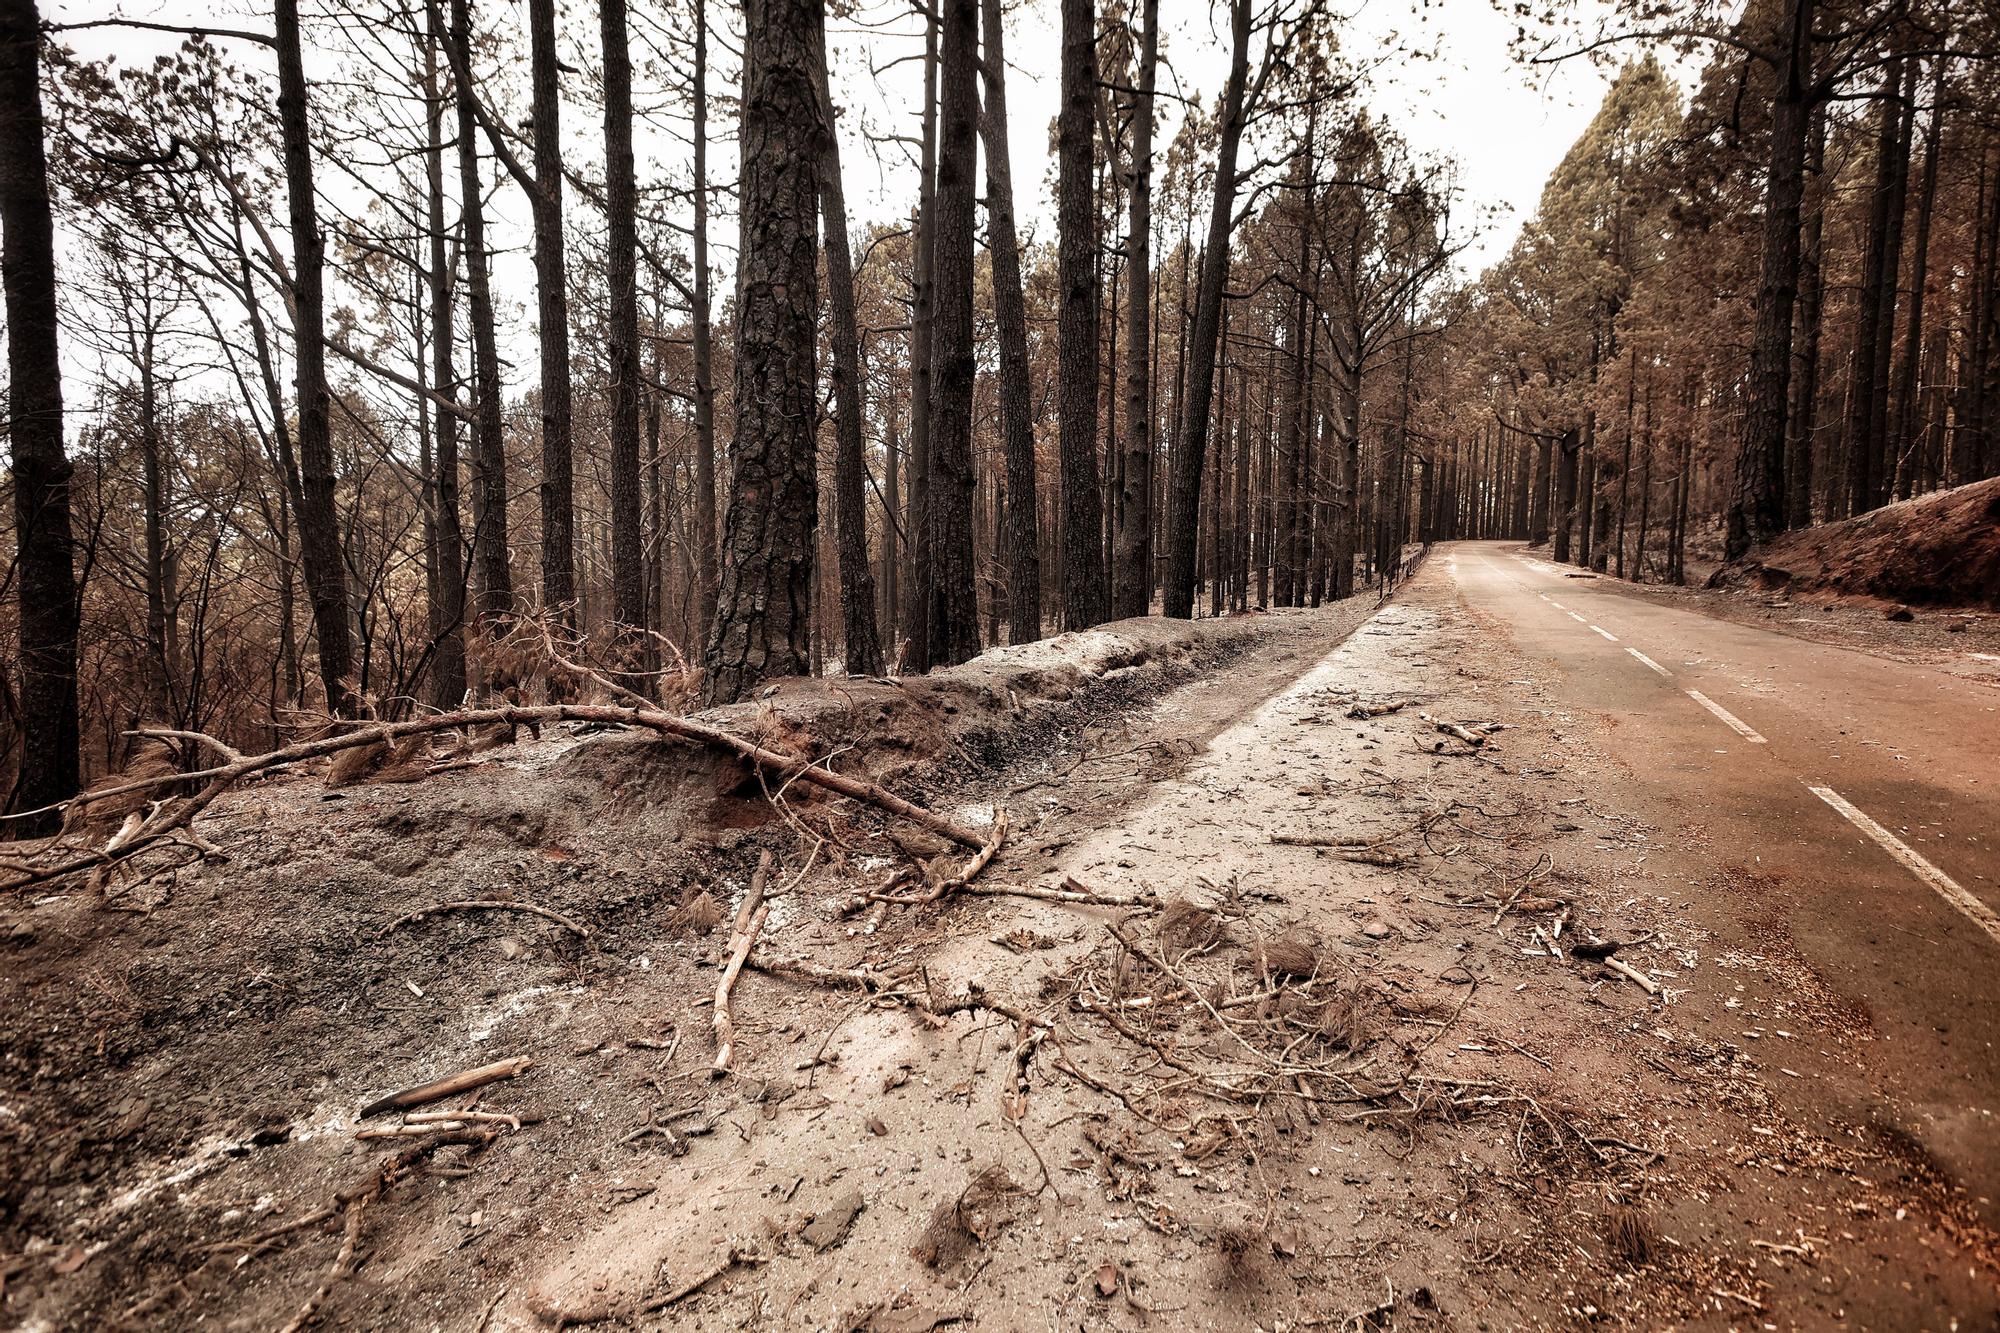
1734, 723
1947, 888
1605, 632
1577, 618
1650, 662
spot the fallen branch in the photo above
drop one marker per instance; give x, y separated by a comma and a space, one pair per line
1364, 711
448, 1087
1466, 734
1633, 975
749, 924
174, 815
343, 1262
940, 886
687, 1289
486, 904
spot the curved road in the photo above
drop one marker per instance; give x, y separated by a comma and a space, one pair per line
1869, 787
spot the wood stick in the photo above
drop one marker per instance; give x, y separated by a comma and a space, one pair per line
448, 1087
343, 1262
689, 1288
486, 904
749, 923
941, 886
1465, 734
1633, 975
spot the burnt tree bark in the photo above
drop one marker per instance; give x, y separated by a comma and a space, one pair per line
1024, 557
552, 310
1132, 588
704, 354
49, 612
763, 614
1076, 222
621, 206
319, 523
952, 620
861, 644
448, 627
1184, 491
1801, 426
494, 579
1757, 500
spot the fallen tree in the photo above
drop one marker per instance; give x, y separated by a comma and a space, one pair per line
172, 816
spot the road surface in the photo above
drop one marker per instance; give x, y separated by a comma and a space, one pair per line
1868, 788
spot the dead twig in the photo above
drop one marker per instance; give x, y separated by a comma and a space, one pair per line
749, 924
689, 1288
448, 1087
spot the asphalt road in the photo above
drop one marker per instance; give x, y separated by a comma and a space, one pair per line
1868, 788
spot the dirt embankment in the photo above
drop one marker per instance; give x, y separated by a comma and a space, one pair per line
1941, 549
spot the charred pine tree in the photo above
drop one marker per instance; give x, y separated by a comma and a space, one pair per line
1757, 504
448, 557
916, 605
493, 576
1024, 557
1801, 422
862, 645
49, 609
621, 261
1184, 489
703, 501
552, 309
952, 621
1077, 354
1133, 567
763, 614
319, 522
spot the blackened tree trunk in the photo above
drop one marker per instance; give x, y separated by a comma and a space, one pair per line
916, 639
448, 673
1876, 312
1076, 223
552, 308
1132, 593
704, 355
1801, 426
862, 645
1184, 493
1024, 557
493, 577
319, 524
49, 766
952, 621
621, 261
1907, 434
763, 613
1757, 500
1567, 458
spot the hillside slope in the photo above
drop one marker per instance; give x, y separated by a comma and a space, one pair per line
1941, 549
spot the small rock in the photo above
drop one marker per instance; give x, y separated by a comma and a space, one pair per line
510, 947
831, 1224
1376, 930
1900, 614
